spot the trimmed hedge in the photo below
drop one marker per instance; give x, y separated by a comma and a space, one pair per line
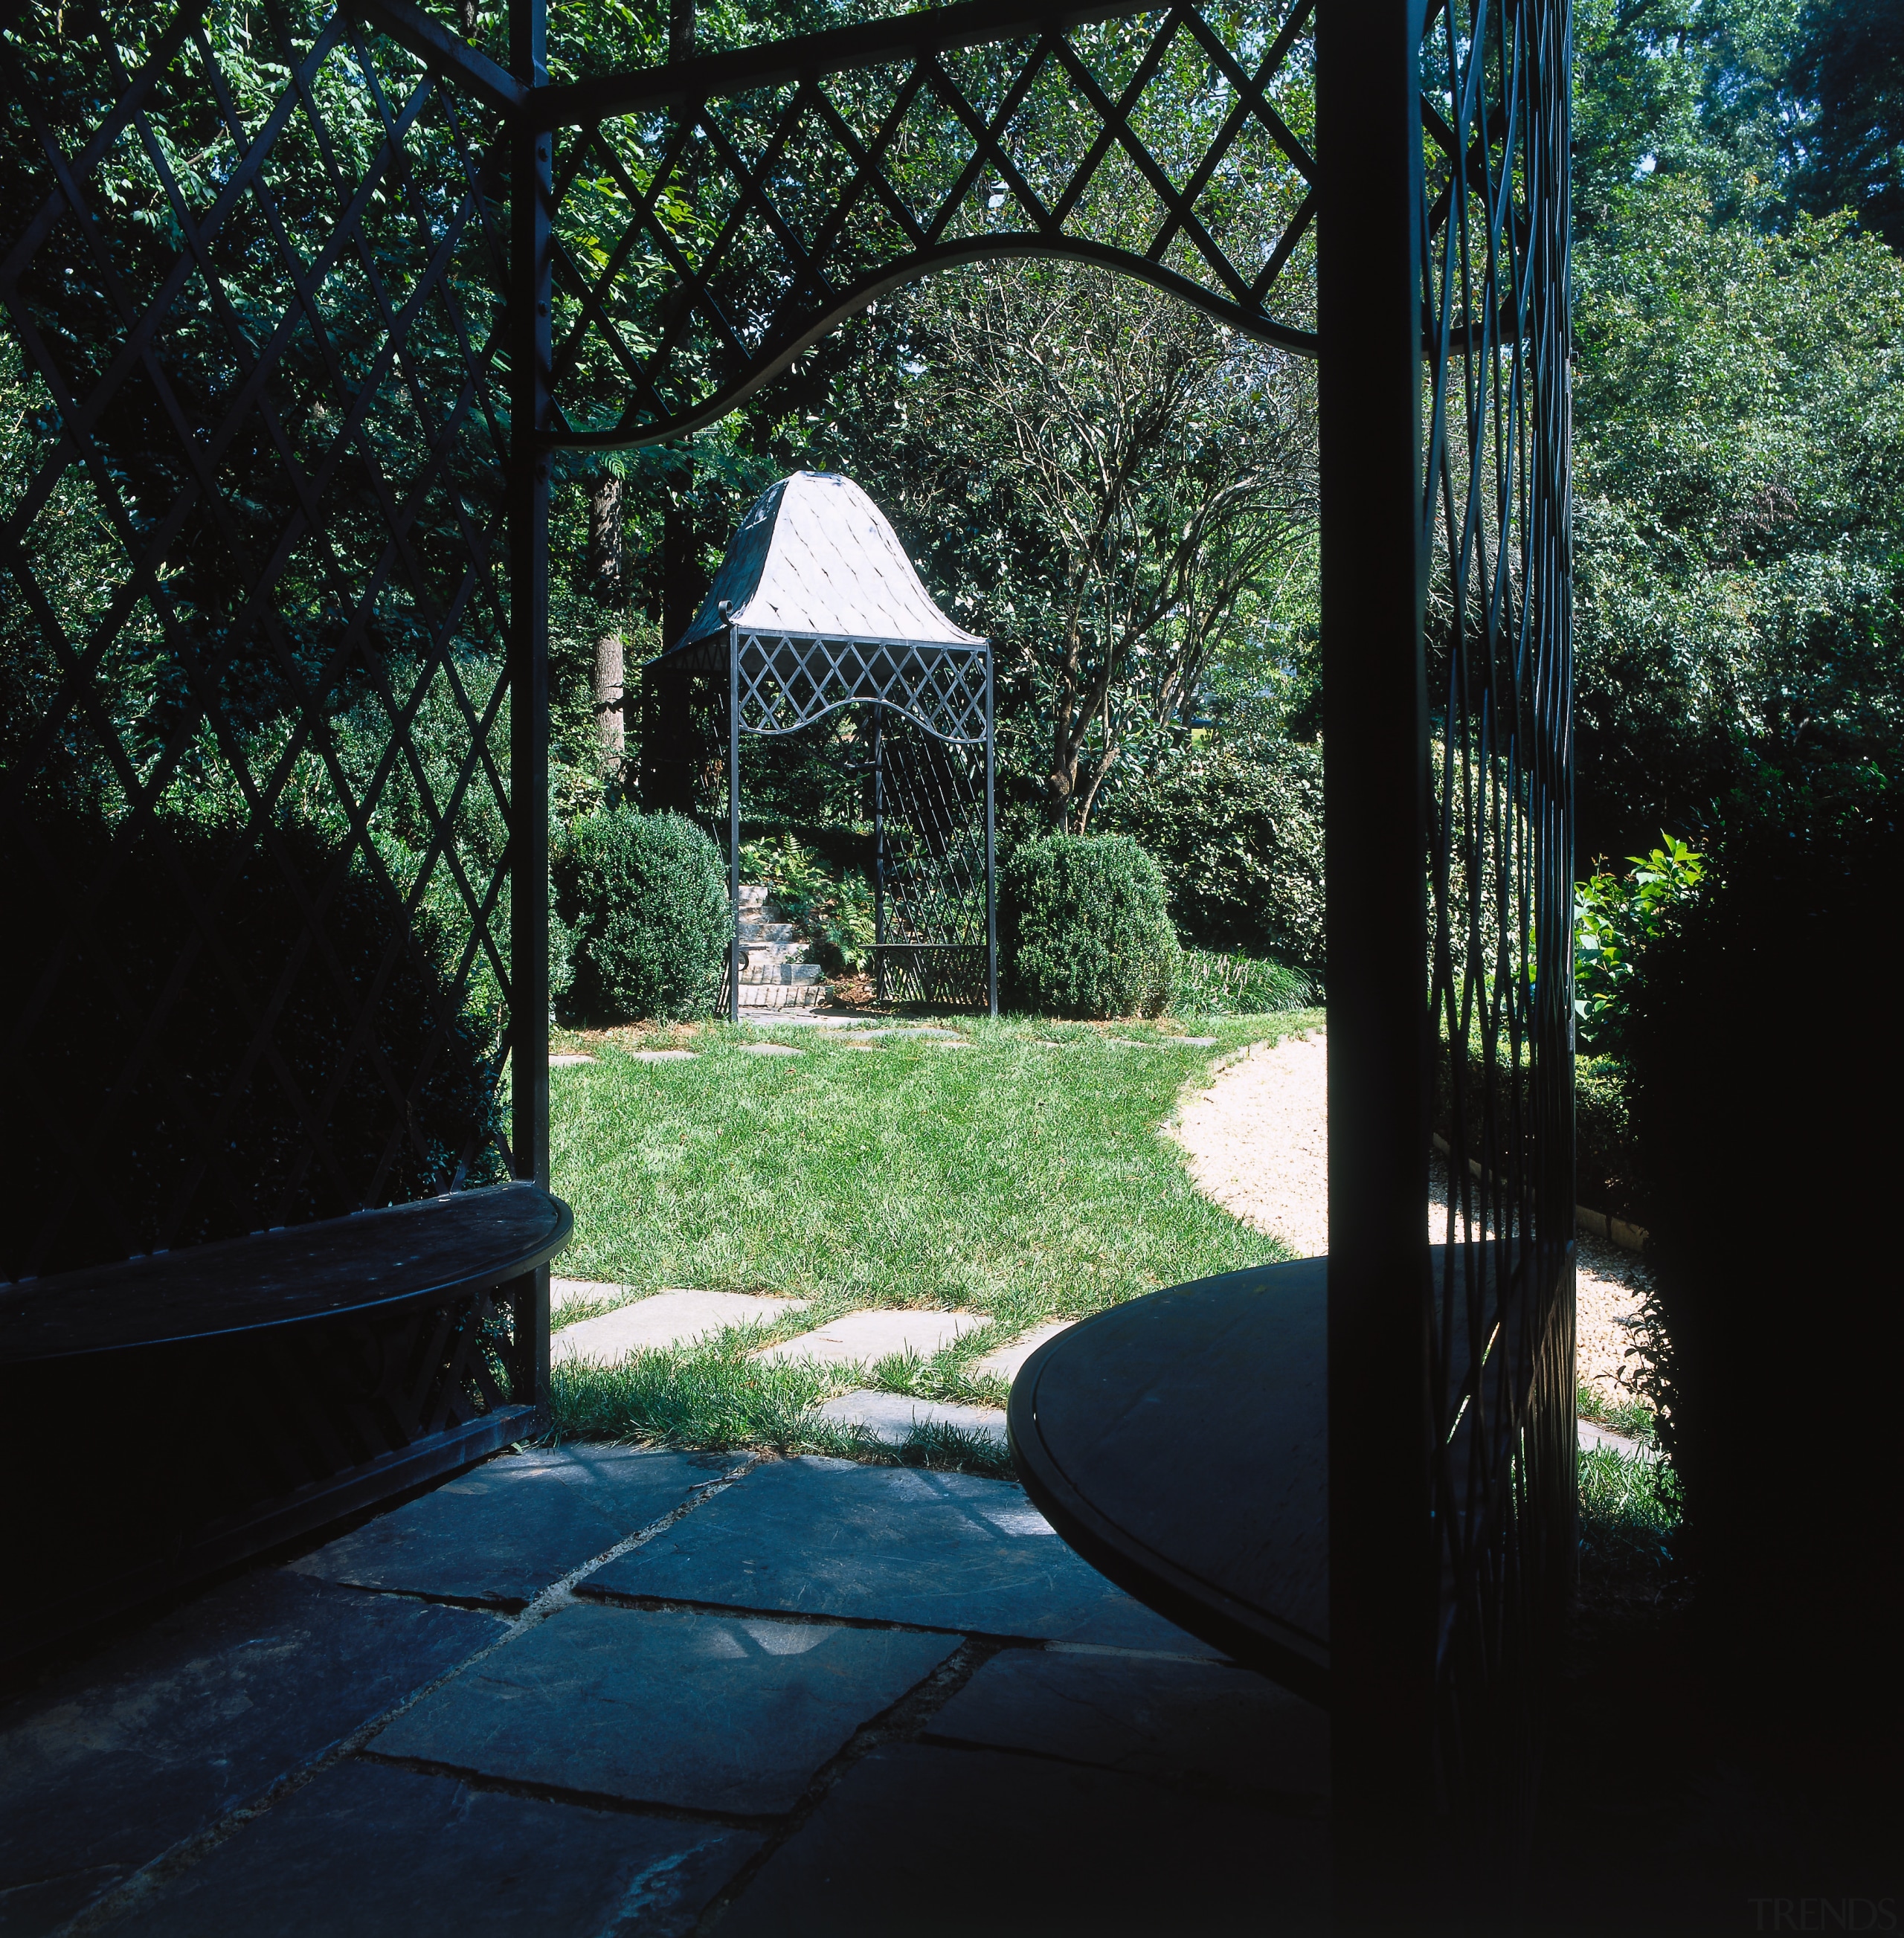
178, 1159
1085, 928
646, 896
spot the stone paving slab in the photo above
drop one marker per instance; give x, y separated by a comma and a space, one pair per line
661, 1055
892, 1417
116, 1760
566, 1060
888, 1544
863, 1338
428, 1855
566, 1292
1593, 1435
700, 1712
666, 1319
1175, 1721
505, 1530
771, 1049
1008, 1361
942, 1843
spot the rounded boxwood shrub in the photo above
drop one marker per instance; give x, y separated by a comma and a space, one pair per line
1085, 928
646, 897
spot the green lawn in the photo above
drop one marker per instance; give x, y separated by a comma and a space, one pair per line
1021, 1175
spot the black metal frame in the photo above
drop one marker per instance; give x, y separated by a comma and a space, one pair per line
782, 683
1442, 302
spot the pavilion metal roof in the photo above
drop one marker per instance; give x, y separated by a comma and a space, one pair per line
816, 556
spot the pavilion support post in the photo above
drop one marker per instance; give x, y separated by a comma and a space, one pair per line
733, 820
1382, 1578
878, 853
991, 846
527, 652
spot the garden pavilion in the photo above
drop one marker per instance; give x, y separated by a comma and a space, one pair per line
817, 609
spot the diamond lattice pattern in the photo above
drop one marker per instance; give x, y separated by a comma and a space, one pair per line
256, 818
1495, 112
695, 250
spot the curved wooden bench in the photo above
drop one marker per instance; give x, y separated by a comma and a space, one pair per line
431, 1252
176, 1413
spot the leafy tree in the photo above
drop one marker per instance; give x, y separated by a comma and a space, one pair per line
1113, 489
1846, 74
1739, 490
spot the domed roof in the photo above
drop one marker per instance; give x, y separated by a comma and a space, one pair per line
816, 556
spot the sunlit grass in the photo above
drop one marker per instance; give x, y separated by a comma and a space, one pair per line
1018, 1171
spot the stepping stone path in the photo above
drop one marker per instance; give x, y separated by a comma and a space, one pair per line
563, 1059
775, 973
563, 1291
1593, 1435
1008, 1361
861, 1338
892, 1418
664, 1318
769, 1050
662, 1056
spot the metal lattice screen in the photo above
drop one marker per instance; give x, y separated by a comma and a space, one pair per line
933, 867
1501, 1334
257, 701
707, 226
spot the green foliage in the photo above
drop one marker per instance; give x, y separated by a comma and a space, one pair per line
405, 1095
1085, 929
1614, 917
646, 897
1848, 67
1236, 821
1739, 448
1210, 985
1629, 1514
832, 908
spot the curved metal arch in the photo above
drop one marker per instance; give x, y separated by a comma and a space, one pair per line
710, 223
775, 361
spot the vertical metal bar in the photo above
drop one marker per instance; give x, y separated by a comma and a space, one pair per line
1382, 1580
878, 852
991, 842
528, 660
733, 820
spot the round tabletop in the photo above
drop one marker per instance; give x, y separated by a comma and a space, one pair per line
1180, 1443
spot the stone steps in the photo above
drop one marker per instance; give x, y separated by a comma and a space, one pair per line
778, 996
775, 973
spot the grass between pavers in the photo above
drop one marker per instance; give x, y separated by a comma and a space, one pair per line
1022, 1175
1628, 1416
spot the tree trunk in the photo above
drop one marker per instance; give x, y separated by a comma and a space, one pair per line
606, 588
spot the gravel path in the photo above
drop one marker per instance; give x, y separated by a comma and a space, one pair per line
1257, 1134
